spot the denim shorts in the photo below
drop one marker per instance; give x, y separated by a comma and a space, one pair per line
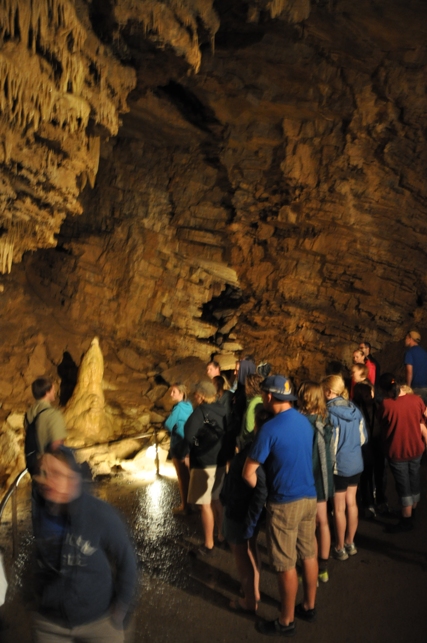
407, 478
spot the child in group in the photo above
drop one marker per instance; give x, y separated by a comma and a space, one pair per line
243, 506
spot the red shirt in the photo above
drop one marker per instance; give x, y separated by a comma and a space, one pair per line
400, 427
372, 371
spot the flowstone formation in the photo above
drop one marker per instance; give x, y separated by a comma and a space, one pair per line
258, 186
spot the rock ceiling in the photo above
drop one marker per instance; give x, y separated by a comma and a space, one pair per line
206, 176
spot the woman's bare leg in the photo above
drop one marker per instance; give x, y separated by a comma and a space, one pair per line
340, 519
183, 476
323, 532
352, 514
208, 523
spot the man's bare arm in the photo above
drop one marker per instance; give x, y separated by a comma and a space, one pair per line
409, 373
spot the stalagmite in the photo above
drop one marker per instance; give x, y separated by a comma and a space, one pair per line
85, 414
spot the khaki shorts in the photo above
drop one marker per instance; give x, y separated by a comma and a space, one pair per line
46, 631
205, 485
290, 532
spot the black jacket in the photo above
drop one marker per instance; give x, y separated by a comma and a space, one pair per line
195, 426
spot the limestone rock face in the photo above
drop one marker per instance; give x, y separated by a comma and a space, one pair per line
257, 183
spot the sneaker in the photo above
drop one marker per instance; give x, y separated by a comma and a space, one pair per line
323, 576
340, 554
305, 615
350, 549
369, 512
274, 628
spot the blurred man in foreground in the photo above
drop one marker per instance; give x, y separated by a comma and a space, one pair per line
86, 567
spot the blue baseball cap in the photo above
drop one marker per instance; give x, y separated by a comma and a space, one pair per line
280, 388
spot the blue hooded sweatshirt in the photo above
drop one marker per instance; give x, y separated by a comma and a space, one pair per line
348, 437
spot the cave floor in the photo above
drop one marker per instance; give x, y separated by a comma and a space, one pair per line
375, 596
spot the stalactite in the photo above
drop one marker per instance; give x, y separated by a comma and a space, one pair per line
94, 148
47, 96
6, 255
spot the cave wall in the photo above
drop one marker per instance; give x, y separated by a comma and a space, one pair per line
256, 183
290, 169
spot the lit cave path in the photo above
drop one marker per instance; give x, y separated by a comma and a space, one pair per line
375, 596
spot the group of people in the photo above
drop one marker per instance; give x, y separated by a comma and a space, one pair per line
253, 450
263, 449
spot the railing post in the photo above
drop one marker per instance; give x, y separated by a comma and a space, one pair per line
157, 451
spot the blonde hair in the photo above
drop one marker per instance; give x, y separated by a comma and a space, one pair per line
182, 389
312, 399
336, 385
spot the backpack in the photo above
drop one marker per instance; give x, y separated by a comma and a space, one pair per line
31, 447
208, 436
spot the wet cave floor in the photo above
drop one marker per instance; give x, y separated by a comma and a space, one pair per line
377, 595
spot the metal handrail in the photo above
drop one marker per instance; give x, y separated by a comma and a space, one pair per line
13, 487
11, 491
11, 494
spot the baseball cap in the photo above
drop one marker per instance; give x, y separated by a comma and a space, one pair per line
414, 334
280, 387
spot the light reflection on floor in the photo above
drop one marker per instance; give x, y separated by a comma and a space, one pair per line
161, 539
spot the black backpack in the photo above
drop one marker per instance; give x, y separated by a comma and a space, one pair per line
208, 436
30, 445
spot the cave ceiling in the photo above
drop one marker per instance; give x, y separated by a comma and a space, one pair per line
187, 177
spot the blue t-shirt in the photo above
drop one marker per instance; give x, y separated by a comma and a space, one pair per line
417, 358
284, 445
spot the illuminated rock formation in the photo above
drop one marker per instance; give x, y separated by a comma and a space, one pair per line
12, 459
85, 414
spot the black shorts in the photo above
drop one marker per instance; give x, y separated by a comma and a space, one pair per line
341, 483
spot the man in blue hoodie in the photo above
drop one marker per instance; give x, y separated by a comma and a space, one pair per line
78, 539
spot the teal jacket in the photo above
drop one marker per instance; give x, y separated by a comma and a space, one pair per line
176, 421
